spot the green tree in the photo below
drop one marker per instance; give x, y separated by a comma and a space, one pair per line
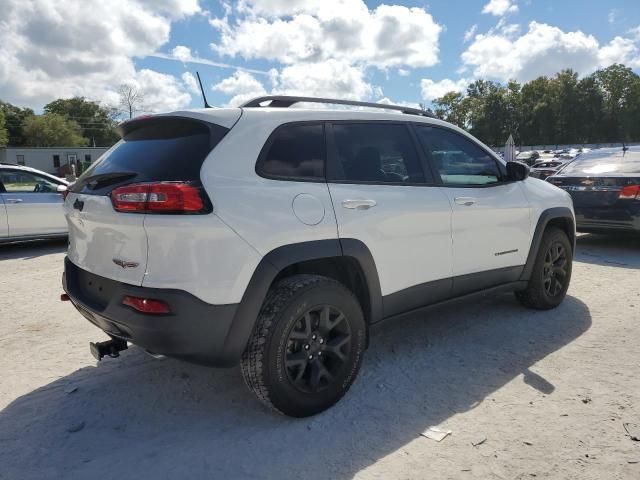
617, 83
590, 110
539, 122
14, 118
564, 91
53, 130
98, 123
453, 108
4, 135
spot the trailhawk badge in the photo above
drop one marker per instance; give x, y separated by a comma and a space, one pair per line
124, 264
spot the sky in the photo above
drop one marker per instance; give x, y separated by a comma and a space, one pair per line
404, 52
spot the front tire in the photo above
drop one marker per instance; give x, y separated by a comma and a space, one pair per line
307, 345
551, 272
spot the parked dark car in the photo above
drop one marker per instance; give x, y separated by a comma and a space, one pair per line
547, 168
605, 187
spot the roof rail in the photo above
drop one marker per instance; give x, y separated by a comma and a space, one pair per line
285, 101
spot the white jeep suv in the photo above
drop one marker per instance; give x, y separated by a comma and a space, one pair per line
274, 237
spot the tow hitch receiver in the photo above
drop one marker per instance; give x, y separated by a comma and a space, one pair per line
111, 348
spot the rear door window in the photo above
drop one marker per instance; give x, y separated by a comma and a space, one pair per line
153, 150
294, 152
375, 153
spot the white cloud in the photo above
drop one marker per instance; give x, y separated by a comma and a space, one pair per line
613, 15
315, 31
542, 50
403, 72
431, 90
190, 83
79, 47
242, 86
469, 34
620, 50
331, 79
182, 53
500, 7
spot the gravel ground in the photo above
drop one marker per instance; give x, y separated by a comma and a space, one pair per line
544, 394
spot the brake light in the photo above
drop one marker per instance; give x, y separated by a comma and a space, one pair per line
630, 192
146, 305
162, 197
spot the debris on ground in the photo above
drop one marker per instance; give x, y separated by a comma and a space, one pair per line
69, 390
632, 430
479, 442
435, 433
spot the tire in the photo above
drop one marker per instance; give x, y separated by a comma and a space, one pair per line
303, 317
551, 274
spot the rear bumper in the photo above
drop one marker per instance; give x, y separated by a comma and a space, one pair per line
194, 330
607, 219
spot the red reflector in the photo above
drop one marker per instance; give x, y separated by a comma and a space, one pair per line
146, 305
167, 197
630, 192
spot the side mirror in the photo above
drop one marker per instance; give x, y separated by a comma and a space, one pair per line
517, 171
61, 188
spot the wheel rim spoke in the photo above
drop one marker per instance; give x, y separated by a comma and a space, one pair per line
317, 348
555, 269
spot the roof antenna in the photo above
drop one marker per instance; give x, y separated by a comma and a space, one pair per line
204, 97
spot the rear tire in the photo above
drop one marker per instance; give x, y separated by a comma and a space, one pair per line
551, 272
307, 345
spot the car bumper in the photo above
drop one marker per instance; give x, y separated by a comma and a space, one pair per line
194, 330
607, 219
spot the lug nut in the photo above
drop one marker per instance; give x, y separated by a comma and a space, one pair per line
306, 346
313, 337
319, 353
310, 357
321, 340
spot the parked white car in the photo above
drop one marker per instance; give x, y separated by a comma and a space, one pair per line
30, 204
274, 237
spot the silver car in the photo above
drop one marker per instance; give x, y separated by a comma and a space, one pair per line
30, 204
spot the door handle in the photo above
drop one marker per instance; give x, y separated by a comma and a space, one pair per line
358, 204
466, 201
14, 200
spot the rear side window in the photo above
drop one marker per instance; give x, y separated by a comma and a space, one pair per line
375, 152
152, 150
458, 160
294, 152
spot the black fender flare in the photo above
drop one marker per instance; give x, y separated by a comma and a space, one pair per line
543, 220
282, 257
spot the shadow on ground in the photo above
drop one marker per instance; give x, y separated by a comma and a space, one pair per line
32, 249
609, 250
144, 418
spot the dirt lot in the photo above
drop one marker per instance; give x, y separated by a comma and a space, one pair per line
548, 392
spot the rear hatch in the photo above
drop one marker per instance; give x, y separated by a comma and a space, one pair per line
153, 170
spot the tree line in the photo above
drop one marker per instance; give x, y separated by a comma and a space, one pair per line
564, 109
69, 122
599, 108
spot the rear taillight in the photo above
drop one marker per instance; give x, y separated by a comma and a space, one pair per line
146, 305
162, 197
630, 192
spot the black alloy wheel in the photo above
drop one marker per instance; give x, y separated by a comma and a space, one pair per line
317, 348
555, 269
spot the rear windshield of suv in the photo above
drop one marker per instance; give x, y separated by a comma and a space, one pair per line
152, 150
